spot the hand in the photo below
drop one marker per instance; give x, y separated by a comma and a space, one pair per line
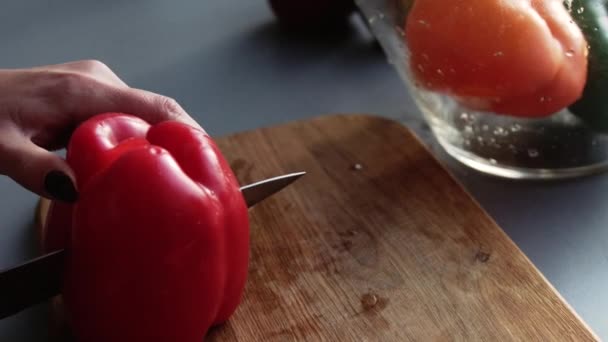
39, 108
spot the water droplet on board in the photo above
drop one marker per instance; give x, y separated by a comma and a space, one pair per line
369, 301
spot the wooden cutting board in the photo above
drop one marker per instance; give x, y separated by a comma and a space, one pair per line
378, 242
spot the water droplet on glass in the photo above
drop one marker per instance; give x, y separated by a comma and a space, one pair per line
515, 128
570, 53
533, 153
493, 161
500, 132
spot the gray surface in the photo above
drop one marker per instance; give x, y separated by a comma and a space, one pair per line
230, 67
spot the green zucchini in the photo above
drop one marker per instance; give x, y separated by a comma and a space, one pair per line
592, 18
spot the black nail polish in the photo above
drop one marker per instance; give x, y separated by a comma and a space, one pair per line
60, 186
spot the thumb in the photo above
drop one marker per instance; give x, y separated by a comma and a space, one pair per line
38, 170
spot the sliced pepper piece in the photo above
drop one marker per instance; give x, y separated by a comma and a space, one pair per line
516, 57
158, 241
592, 18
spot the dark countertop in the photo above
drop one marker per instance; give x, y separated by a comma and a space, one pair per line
228, 64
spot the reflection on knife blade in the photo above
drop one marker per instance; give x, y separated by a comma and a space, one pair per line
39, 279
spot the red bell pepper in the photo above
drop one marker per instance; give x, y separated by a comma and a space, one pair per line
158, 241
517, 57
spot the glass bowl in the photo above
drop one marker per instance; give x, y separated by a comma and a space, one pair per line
507, 89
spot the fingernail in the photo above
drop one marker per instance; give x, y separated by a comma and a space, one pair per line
60, 186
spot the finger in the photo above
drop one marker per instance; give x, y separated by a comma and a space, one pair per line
37, 169
157, 108
95, 98
91, 68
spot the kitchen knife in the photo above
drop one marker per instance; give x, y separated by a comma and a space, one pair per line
40, 279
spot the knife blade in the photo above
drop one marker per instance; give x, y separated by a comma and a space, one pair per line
39, 279
259, 191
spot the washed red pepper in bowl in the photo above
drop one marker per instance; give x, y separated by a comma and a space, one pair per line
158, 241
518, 57
511, 88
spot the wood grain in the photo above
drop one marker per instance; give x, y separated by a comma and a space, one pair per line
378, 242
